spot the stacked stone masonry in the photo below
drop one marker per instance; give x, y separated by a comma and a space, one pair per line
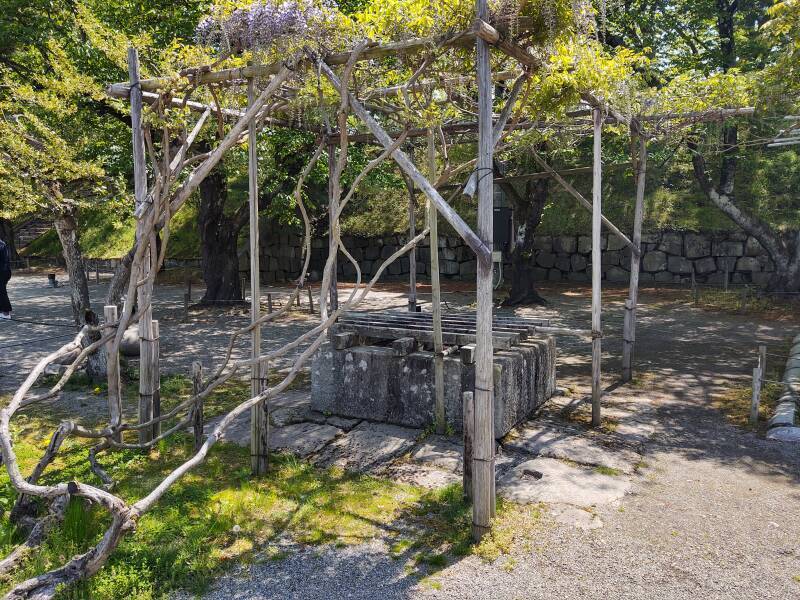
667, 257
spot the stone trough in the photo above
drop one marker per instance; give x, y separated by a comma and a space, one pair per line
380, 367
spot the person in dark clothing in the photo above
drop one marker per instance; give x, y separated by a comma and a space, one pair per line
5, 276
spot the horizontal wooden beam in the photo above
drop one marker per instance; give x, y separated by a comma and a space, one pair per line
372, 51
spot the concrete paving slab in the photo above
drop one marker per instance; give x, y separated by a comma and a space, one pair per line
421, 475
302, 439
440, 452
369, 446
342, 423
554, 481
573, 444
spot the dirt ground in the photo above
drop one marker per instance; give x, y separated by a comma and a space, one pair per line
716, 513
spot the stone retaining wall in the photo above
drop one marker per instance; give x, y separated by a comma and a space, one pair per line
667, 257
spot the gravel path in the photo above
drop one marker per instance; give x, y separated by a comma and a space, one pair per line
716, 513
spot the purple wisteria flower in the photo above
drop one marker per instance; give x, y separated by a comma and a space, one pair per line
262, 24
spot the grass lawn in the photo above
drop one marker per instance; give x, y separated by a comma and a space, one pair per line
219, 514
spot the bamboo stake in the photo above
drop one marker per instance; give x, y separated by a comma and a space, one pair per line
469, 433
113, 373
259, 413
197, 411
756, 399
629, 332
483, 507
333, 209
145, 291
597, 272
156, 385
436, 294
412, 255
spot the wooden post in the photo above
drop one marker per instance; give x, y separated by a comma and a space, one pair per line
412, 254
145, 291
436, 294
762, 362
333, 208
310, 301
113, 373
197, 411
469, 434
259, 414
156, 378
629, 329
597, 268
756, 401
483, 506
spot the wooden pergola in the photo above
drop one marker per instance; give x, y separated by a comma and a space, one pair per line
264, 108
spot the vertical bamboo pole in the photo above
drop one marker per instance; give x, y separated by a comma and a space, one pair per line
483, 506
156, 378
259, 414
629, 332
333, 207
597, 272
145, 292
436, 294
113, 373
468, 425
412, 254
197, 411
756, 400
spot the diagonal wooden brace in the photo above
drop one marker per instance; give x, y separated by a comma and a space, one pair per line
588, 205
483, 252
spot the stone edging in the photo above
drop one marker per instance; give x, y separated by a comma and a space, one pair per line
782, 424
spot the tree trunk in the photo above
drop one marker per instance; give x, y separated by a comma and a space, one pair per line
119, 281
783, 248
219, 234
528, 215
7, 235
67, 229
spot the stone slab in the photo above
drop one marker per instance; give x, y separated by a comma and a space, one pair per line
421, 475
784, 415
369, 446
554, 481
440, 452
784, 434
342, 423
572, 444
374, 383
302, 439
